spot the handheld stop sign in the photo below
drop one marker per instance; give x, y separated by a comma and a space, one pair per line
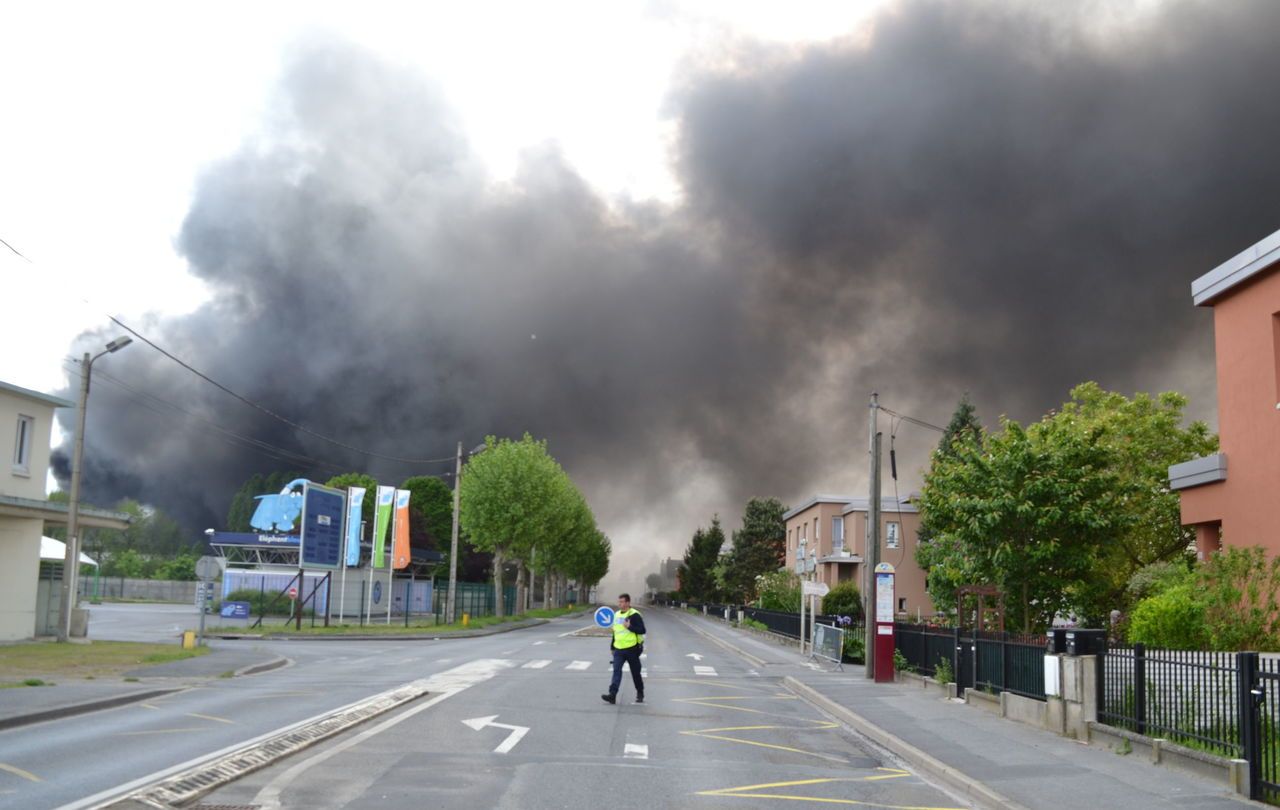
604, 616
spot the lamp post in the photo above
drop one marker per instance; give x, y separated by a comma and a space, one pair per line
451, 601
71, 563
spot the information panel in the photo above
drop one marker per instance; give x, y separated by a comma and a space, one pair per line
321, 535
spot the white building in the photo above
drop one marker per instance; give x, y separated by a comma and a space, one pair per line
26, 424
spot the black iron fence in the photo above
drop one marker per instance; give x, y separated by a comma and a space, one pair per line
1225, 703
993, 662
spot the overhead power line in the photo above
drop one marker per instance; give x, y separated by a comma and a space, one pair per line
913, 420
268, 411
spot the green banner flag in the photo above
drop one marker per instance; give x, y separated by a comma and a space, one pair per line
381, 522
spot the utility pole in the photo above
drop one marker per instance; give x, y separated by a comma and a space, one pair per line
453, 543
873, 542
71, 562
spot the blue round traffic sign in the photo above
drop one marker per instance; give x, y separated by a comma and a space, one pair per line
377, 592
604, 616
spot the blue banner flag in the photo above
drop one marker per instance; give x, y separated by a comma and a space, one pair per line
355, 503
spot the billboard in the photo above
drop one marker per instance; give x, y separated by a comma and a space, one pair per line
321, 536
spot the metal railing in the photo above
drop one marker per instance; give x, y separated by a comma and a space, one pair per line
924, 646
993, 662
1225, 703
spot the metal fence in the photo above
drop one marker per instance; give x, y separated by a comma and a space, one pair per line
473, 598
993, 662
1223, 703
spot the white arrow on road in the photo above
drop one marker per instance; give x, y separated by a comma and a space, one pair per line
694, 656
517, 732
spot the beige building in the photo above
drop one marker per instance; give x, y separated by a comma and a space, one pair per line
827, 542
26, 424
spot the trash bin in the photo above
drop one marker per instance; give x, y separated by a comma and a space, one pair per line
1086, 642
1057, 641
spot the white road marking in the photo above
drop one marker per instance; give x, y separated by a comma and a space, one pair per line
643, 656
708, 671
635, 751
536, 643
447, 684
579, 665
694, 656
516, 735
539, 664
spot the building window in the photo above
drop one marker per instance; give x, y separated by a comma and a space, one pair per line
892, 534
902, 604
22, 444
837, 533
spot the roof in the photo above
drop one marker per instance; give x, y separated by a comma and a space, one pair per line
815, 500
1237, 270
47, 399
56, 551
886, 505
57, 512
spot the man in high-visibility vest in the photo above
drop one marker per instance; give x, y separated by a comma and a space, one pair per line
627, 646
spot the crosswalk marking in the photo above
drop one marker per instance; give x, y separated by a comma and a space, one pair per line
708, 671
636, 751
539, 664
579, 665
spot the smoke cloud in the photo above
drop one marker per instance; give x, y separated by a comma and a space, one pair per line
984, 197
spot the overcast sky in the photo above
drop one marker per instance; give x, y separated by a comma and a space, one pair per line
683, 242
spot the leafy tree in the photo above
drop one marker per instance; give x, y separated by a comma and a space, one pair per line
513, 499
653, 582
126, 563
181, 567
1060, 514
759, 547
964, 429
243, 504
1240, 588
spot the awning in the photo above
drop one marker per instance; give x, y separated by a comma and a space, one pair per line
56, 551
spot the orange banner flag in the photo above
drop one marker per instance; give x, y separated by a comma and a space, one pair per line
400, 548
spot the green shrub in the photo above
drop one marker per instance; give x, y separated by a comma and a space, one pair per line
1240, 589
780, 590
942, 672
260, 600
843, 600
900, 662
1173, 619
854, 646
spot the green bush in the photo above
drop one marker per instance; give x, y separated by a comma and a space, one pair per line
780, 590
854, 645
843, 600
259, 601
1173, 619
942, 672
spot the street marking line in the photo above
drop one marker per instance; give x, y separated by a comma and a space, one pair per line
211, 717
579, 665
536, 643
148, 706
743, 793
16, 771
635, 751
160, 731
705, 671
740, 688
827, 757
539, 664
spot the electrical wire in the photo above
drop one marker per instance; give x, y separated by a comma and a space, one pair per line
267, 410
16, 252
913, 420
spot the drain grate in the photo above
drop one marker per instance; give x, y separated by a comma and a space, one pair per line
189, 785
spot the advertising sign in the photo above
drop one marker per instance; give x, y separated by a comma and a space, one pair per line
884, 598
321, 537
235, 610
355, 505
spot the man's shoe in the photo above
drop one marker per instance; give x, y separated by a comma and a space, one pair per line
608, 698
639, 698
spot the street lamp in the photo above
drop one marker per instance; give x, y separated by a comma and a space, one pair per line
71, 563
451, 601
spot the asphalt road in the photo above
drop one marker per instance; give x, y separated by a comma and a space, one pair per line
513, 720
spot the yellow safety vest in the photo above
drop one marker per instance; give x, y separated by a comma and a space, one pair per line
624, 639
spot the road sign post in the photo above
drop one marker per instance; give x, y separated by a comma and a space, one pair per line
207, 570
808, 590
883, 598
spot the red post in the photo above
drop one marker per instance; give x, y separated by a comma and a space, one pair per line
883, 600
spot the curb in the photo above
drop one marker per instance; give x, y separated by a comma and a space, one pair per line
504, 628
952, 777
84, 708
266, 666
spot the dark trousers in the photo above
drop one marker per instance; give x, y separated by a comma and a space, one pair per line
631, 656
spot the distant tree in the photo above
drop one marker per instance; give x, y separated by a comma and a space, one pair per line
697, 577
759, 547
653, 582
964, 430
243, 504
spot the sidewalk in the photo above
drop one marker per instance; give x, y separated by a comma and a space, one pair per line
33, 704
995, 762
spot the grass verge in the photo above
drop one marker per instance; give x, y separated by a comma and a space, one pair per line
41, 659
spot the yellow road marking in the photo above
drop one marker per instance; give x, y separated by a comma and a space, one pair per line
744, 792
211, 717
160, 731
16, 771
820, 726
148, 706
827, 757
718, 685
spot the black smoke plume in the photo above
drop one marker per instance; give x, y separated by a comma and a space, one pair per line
1004, 199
